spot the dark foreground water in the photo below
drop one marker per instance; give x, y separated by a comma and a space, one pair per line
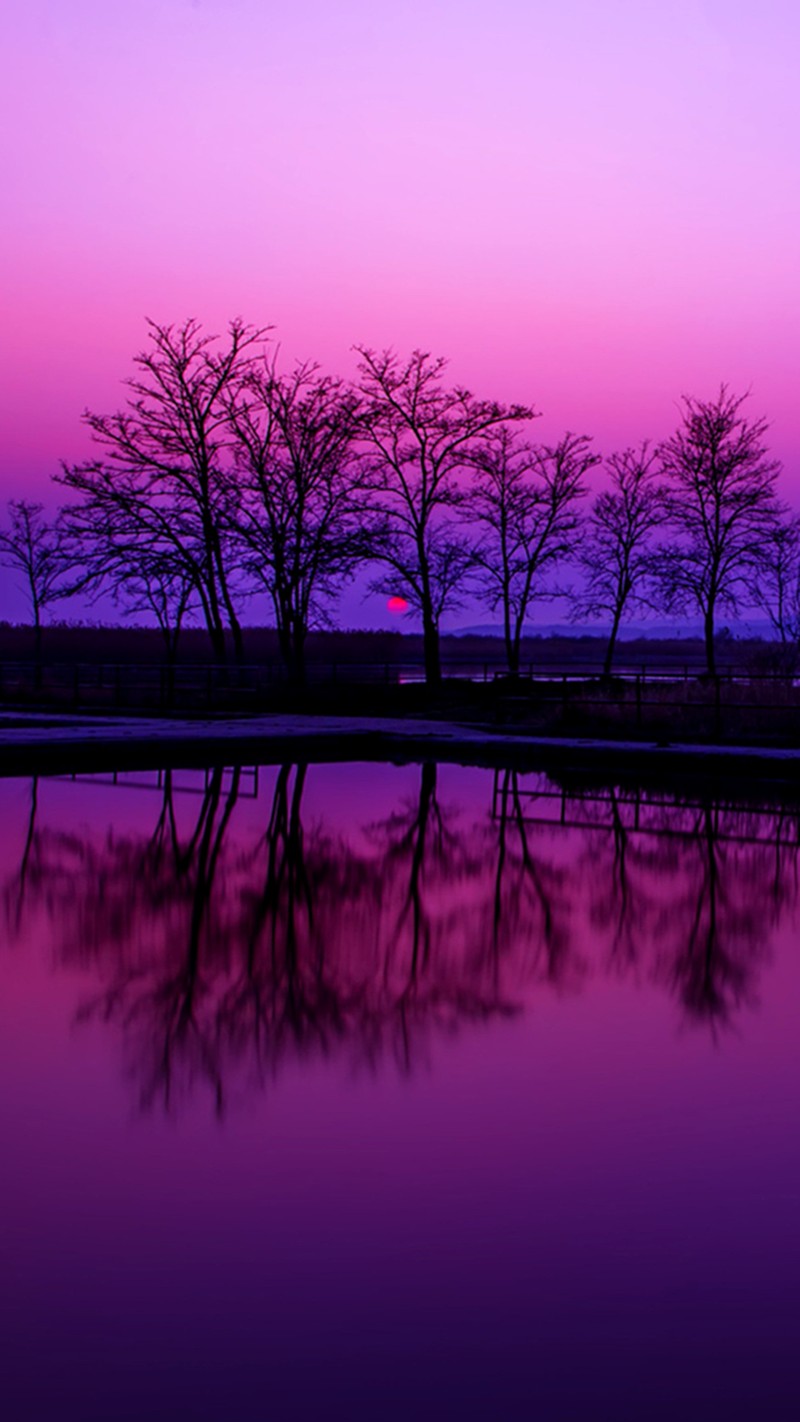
379, 1092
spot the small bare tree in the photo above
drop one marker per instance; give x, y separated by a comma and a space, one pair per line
720, 501
775, 585
159, 587
122, 553
615, 553
33, 547
525, 503
419, 435
300, 528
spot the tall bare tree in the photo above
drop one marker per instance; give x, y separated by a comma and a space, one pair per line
525, 502
721, 503
419, 435
300, 527
161, 470
615, 550
33, 547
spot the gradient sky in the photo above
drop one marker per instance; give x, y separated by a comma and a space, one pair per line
590, 204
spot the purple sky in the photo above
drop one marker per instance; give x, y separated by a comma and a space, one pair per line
591, 206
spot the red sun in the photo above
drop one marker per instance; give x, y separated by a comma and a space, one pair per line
397, 604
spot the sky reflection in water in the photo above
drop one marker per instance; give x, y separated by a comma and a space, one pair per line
368, 1090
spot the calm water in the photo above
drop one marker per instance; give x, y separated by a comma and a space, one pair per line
397, 1092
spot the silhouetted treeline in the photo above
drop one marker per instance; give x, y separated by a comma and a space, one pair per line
225, 477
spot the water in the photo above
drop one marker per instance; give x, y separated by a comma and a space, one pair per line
375, 1091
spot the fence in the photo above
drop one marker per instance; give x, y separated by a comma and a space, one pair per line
652, 700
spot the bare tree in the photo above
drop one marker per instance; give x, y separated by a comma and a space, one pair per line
721, 503
615, 555
300, 528
775, 585
120, 556
525, 502
449, 559
160, 478
33, 547
160, 587
419, 435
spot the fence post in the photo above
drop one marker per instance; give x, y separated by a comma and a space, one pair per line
717, 708
76, 680
638, 702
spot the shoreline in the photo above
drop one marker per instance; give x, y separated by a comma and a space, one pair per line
39, 743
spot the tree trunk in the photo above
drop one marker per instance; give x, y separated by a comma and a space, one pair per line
708, 621
430, 641
612, 642
291, 641
217, 638
512, 643
285, 645
37, 649
214, 622
299, 658
236, 632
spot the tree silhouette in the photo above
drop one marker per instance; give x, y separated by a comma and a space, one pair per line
300, 524
721, 502
154, 583
34, 547
419, 436
158, 488
525, 503
615, 550
775, 585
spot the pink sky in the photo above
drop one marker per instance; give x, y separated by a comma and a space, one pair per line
591, 206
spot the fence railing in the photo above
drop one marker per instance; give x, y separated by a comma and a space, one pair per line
654, 698
105, 674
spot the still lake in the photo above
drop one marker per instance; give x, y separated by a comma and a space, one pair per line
363, 1091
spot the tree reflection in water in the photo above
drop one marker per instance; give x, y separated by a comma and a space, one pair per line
219, 956
531, 897
716, 932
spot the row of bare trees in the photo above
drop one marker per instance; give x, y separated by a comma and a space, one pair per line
225, 476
